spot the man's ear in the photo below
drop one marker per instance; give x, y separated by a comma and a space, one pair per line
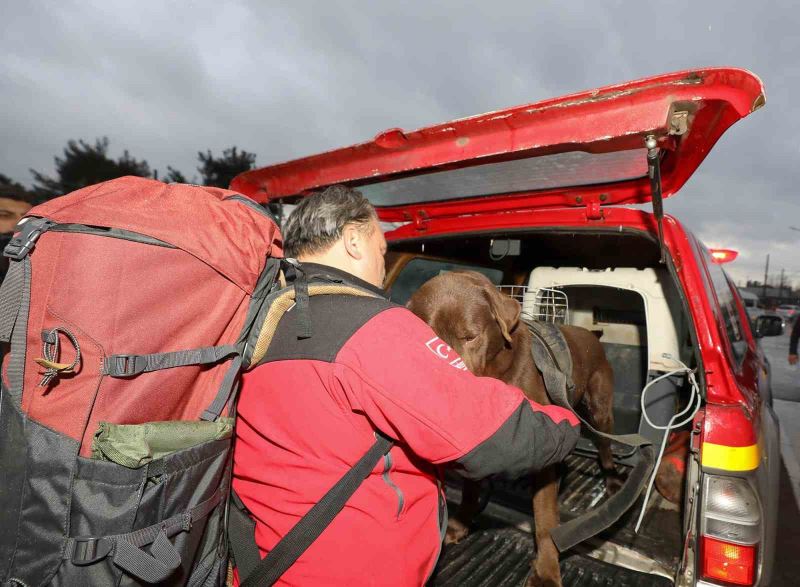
353, 240
505, 311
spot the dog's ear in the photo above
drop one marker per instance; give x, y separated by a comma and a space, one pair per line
505, 310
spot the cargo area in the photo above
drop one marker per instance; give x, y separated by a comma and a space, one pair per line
614, 285
501, 546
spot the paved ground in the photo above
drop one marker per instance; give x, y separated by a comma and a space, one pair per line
786, 393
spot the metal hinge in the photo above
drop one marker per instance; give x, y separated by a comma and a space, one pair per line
679, 123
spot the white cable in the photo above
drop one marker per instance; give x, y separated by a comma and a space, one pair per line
694, 398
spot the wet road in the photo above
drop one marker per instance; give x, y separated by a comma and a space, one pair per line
786, 402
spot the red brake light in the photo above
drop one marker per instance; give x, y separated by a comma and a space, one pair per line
734, 563
720, 256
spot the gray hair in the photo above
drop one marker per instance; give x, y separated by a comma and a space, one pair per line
319, 219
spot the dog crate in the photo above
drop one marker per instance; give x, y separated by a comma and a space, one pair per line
637, 316
544, 304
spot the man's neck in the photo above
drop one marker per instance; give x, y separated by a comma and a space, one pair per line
336, 270
329, 261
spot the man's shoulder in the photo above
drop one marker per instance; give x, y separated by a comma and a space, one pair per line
333, 319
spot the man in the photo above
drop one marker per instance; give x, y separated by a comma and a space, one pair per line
793, 338
310, 410
12, 209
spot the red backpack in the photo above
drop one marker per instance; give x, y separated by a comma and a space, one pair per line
130, 308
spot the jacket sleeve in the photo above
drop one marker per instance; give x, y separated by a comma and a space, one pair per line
794, 337
415, 388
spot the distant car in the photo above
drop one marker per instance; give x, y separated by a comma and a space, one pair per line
788, 311
766, 316
751, 303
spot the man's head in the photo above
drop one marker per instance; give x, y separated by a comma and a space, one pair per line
338, 227
11, 211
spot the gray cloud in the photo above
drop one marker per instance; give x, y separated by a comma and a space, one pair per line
167, 79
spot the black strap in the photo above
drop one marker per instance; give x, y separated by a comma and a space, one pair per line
557, 382
241, 536
308, 529
227, 390
601, 517
15, 299
126, 549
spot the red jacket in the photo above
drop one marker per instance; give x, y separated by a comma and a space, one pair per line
309, 412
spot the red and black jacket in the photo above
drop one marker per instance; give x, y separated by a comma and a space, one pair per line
309, 411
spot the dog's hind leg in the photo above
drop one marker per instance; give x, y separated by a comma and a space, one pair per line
546, 571
599, 402
458, 525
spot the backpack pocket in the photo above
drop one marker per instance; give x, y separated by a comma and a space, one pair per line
161, 523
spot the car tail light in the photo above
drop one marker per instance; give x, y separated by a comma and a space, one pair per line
732, 563
731, 530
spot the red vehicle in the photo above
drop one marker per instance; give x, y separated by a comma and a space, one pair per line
532, 197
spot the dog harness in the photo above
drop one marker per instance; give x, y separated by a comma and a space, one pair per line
554, 361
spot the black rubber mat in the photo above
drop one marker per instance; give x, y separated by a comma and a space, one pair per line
582, 487
501, 558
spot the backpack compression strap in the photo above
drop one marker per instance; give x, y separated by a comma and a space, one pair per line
557, 381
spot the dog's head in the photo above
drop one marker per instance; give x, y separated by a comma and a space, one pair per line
467, 312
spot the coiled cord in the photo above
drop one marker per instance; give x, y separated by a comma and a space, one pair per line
693, 406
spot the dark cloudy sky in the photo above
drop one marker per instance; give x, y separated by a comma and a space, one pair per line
166, 79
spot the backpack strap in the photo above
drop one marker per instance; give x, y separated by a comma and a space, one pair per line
257, 572
15, 299
226, 390
285, 299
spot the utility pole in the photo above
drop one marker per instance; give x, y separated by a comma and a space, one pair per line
780, 291
766, 273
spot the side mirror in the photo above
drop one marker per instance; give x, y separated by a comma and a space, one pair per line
769, 326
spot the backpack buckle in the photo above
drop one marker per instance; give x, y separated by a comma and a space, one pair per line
87, 551
22, 244
127, 365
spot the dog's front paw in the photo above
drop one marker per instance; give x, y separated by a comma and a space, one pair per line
456, 532
534, 580
614, 483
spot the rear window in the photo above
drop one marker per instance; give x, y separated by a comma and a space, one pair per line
570, 169
418, 271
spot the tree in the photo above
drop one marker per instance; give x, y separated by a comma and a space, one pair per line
84, 164
174, 176
15, 191
220, 171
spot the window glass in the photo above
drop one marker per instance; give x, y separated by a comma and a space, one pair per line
573, 168
730, 313
418, 271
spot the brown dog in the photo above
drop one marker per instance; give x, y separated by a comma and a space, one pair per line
483, 326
